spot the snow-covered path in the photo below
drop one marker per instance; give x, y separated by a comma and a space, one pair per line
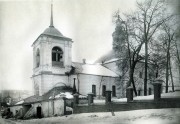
148, 116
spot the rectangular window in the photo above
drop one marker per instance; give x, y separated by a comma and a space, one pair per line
114, 91
103, 90
94, 89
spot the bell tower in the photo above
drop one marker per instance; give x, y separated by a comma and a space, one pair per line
51, 59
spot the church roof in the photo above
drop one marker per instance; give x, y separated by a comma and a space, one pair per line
93, 69
96, 69
52, 31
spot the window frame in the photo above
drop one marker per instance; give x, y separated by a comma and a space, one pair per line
37, 58
104, 90
57, 56
94, 89
113, 90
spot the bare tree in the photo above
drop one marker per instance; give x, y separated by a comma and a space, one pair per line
177, 54
157, 58
151, 15
172, 81
168, 37
138, 29
127, 46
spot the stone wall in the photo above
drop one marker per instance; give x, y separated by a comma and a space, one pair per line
109, 106
70, 102
48, 108
14, 109
113, 107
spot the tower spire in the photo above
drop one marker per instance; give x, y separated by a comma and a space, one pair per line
51, 20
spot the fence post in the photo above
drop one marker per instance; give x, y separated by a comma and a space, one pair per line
129, 94
64, 98
108, 96
76, 98
157, 89
90, 98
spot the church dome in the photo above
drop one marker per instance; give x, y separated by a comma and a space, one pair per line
51, 30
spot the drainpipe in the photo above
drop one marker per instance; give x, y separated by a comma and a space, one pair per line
53, 100
74, 86
78, 82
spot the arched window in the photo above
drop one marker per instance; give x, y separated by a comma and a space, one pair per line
57, 55
37, 58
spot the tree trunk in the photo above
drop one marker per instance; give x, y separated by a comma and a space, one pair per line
167, 66
167, 75
131, 80
171, 75
146, 65
178, 58
157, 71
179, 72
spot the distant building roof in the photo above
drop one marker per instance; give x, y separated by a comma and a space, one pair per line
93, 69
108, 56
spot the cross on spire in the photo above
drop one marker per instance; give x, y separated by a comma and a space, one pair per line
51, 20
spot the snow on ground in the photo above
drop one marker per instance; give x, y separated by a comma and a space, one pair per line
67, 95
163, 95
147, 116
119, 100
82, 96
171, 95
150, 97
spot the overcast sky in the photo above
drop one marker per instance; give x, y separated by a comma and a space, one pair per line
87, 22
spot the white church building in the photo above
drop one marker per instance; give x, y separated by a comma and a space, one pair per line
53, 67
